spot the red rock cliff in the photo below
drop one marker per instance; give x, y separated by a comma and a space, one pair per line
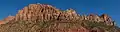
64, 21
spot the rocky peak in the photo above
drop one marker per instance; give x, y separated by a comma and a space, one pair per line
7, 19
35, 11
43, 12
58, 21
107, 19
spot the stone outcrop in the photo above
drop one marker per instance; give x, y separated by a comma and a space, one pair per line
107, 19
45, 12
2, 22
37, 11
40, 13
8, 19
34, 12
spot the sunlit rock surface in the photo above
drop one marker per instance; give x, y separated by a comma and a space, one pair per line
46, 18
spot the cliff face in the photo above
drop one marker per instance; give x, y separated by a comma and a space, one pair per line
43, 12
46, 18
35, 12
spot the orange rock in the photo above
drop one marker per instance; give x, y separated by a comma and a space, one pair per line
2, 22
44, 12
107, 19
9, 18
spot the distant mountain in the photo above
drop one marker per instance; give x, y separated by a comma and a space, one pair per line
46, 18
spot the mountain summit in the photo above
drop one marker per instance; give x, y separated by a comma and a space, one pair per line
35, 12
46, 18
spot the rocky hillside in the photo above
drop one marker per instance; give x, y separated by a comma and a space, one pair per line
46, 18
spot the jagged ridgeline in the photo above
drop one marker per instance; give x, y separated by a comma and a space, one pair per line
46, 18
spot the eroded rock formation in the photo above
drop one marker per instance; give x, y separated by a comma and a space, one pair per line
61, 19
7, 19
45, 12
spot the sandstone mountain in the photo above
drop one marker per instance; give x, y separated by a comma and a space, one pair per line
46, 18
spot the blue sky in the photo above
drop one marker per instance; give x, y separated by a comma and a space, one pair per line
110, 7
